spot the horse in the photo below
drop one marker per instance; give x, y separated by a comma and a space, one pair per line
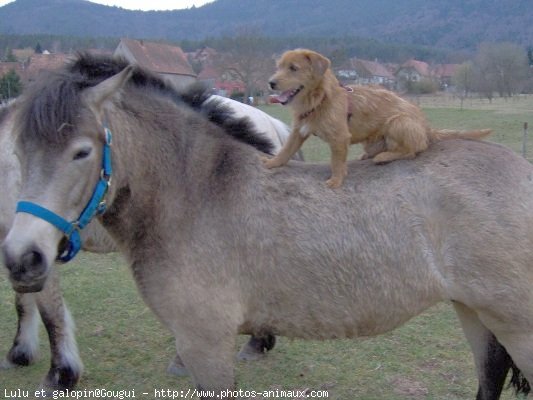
220, 246
66, 365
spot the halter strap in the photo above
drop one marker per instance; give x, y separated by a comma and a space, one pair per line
95, 206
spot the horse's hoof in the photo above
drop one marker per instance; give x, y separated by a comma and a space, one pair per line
177, 368
61, 379
248, 353
21, 356
6, 364
256, 347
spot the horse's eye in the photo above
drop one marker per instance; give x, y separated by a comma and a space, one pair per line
83, 153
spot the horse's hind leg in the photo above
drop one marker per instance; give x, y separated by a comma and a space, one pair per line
256, 347
519, 345
491, 359
66, 366
26, 343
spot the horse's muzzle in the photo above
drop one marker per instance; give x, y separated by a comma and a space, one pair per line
27, 271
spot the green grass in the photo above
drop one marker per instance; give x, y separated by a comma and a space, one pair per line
124, 347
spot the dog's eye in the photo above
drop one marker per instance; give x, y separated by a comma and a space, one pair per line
293, 68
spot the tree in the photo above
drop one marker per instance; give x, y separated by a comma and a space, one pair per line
10, 85
501, 68
463, 80
38, 48
245, 58
9, 56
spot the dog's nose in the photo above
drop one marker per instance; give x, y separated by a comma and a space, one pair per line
272, 85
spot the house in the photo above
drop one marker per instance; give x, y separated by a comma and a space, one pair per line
444, 74
373, 73
36, 64
164, 59
33, 66
412, 71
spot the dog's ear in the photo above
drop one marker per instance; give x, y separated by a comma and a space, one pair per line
319, 63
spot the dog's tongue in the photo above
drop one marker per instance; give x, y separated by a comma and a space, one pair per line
284, 97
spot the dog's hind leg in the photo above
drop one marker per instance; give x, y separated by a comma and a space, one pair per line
405, 138
66, 366
491, 359
25, 346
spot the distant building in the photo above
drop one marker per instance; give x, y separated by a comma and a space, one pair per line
166, 60
36, 64
373, 73
410, 72
444, 74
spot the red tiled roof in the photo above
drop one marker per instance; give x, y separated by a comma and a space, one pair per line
5, 67
39, 63
419, 66
159, 57
373, 68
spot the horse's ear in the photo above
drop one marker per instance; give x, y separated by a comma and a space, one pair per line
96, 96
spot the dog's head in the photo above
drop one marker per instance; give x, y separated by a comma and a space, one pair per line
298, 71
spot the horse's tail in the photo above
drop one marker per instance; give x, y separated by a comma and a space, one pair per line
518, 381
443, 134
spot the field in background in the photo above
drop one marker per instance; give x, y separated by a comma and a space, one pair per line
124, 347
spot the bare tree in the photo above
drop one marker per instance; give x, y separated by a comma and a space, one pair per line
463, 80
501, 68
246, 59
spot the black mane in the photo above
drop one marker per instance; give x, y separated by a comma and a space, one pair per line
62, 88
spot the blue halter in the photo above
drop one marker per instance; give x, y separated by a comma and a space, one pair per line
95, 206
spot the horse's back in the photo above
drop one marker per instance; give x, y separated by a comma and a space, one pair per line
430, 227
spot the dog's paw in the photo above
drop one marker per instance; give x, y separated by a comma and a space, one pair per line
334, 183
270, 162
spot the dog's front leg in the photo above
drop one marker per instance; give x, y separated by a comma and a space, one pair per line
339, 154
291, 146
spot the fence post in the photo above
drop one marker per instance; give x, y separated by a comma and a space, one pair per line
524, 141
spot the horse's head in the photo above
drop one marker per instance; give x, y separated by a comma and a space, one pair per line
60, 143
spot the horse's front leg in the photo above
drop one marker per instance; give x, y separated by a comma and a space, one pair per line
25, 348
66, 366
210, 359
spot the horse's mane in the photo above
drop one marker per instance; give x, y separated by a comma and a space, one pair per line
62, 88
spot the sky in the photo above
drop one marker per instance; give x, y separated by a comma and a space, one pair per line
143, 4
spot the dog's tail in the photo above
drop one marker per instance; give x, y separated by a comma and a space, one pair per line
443, 134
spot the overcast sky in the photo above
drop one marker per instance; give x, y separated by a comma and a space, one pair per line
145, 5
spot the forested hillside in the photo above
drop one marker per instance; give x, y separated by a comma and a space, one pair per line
452, 24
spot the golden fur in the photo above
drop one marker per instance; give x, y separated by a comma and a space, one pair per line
389, 127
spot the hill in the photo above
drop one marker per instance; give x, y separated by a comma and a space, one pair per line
452, 24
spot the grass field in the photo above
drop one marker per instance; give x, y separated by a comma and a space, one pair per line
124, 347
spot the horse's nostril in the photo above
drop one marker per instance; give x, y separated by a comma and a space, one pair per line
31, 259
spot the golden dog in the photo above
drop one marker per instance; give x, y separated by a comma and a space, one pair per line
389, 127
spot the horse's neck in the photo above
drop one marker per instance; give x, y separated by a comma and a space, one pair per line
172, 172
